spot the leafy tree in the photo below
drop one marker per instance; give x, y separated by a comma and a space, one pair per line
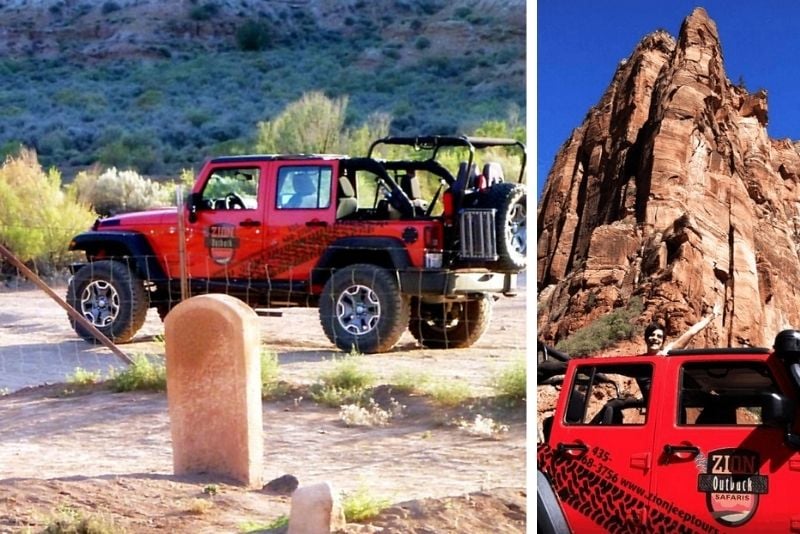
316, 124
37, 217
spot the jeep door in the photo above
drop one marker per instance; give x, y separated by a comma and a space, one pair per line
301, 217
226, 234
601, 443
719, 465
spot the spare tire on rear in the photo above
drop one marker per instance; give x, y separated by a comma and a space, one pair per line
511, 224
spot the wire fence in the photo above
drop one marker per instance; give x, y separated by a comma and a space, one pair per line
361, 305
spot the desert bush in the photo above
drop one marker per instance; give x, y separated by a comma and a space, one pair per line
143, 374
372, 414
254, 35
346, 383
316, 123
114, 191
204, 11
605, 331
81, 377
109, 7
409, 382
69, 520
129, 152
422, 43
361, 505
448, 393
511, 383
482, 426
37, 217
271, 387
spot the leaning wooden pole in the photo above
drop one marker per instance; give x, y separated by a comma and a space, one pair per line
33, 277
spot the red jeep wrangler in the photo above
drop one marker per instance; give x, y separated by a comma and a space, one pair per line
354, 236
696, 441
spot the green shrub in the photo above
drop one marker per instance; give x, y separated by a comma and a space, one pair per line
109, 7
511, 383
254, 35
37, 217
409, 382
450, 393
346, 383
462, 12
81, 377
149, 99
360, 505
316, 123
116, 191
271, 387
347, 373
68, 520
204, 11
143, 374
604, 332
422, 43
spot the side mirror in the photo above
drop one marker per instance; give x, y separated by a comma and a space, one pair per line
777, 410
195, 200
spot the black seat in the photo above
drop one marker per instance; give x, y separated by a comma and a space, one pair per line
717, 413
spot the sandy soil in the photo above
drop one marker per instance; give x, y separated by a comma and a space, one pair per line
108, 455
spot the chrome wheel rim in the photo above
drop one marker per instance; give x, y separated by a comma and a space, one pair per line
100, 303
358, 310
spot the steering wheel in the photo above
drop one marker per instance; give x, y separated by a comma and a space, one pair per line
234, 202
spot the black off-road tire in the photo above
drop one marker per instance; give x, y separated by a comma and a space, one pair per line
361, 308
450, 325
511, 223
111, 297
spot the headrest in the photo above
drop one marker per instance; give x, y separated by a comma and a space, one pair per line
303, 184
346, 187
493, 173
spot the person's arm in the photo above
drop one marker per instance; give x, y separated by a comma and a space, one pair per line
687, 336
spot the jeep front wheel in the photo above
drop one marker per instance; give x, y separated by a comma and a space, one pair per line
450, 325
362, 309
110, 297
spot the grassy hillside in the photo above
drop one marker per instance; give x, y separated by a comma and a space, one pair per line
160, 86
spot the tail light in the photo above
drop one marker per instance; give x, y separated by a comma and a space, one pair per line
449, 207
433, 247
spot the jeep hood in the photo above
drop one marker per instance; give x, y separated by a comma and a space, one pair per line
139, 219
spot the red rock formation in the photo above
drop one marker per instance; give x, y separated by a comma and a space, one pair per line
672, 191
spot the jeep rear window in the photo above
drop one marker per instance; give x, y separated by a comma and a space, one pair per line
724, 393
304, 187
609, 395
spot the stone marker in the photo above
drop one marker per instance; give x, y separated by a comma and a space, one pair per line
315, 510
214, 388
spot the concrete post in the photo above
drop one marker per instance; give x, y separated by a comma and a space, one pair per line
214, 388
315, 510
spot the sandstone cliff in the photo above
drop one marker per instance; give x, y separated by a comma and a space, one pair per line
672, 191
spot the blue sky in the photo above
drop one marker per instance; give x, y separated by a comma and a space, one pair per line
580, 42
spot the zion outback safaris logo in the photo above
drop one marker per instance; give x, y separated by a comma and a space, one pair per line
732, 485
221, 242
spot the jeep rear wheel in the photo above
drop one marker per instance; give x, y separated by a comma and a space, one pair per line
362, 309
110, 297
512, 237
450, 325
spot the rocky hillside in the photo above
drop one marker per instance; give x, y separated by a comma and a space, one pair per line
94, 29
161, 85
672, 191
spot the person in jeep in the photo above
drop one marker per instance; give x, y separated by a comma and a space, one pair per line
654, 334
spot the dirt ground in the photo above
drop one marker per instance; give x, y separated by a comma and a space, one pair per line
108, 455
